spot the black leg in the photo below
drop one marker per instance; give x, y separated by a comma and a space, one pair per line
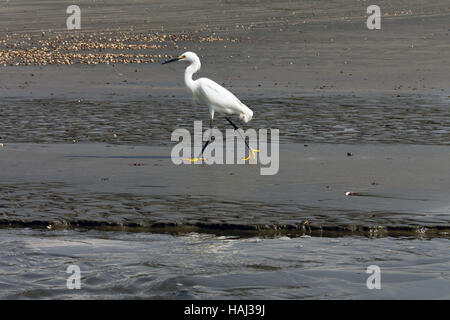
205, 145
235, 128
210, 135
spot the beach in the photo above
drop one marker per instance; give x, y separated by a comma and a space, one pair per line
87, 178
254, 48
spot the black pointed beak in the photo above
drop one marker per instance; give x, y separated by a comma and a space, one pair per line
171, 60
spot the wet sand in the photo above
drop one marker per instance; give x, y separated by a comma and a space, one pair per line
400, 188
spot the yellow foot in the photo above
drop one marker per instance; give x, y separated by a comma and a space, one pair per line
194, 159
253, 151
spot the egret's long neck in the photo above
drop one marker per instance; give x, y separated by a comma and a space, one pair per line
190, 70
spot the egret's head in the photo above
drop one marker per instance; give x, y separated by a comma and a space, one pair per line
187, 56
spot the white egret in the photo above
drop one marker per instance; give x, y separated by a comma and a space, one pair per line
217, 98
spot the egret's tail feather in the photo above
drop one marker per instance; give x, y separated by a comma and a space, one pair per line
246, 114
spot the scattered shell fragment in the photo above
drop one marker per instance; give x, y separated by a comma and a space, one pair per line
138, 164
93, 47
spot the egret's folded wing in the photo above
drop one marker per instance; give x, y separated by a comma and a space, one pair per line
214, 94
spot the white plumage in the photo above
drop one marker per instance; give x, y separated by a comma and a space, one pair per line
205, 91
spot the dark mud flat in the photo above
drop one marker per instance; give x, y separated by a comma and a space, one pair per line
398, 188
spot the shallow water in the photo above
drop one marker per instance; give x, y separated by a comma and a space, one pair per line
199, 266
321, 118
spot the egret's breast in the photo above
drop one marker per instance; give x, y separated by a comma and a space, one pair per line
197, 98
